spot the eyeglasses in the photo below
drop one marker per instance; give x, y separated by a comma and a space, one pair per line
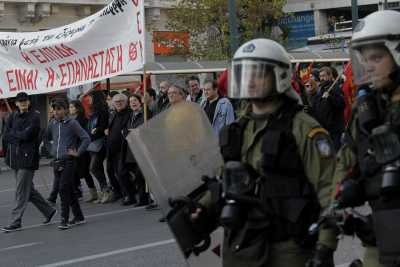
308, 85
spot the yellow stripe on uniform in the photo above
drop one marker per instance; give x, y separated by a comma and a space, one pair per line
316, 131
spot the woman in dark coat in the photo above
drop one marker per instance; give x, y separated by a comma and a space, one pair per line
98, 123
135, 120
82, 163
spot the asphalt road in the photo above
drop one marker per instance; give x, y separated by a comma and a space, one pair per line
114, 236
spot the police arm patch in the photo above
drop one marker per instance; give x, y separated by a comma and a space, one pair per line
320, 137
324, 146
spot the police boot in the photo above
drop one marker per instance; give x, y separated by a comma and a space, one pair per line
93, 195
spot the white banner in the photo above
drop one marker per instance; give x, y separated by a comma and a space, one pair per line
106, 44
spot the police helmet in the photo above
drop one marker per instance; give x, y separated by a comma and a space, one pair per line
261, 68
380, 31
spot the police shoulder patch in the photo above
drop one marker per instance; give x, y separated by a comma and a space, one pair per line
324, 146
317, 130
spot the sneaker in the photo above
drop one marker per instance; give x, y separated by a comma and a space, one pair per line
76, 221
64, 226
48, 219
11, 228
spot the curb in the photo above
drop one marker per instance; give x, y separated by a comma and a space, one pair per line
41, 164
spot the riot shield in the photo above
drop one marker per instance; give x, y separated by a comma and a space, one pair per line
174, 150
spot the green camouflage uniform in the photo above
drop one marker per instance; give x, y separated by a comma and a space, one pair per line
318, 158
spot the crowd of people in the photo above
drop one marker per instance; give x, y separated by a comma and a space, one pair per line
85, 138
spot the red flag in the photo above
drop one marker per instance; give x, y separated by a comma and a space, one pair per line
295, 78
349, 90
305, 74
148, 85
223, 83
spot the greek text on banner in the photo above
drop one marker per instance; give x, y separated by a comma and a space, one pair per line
105, 44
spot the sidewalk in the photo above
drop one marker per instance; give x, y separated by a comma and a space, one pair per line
4, 167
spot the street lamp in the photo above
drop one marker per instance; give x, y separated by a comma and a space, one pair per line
354, 13
233, 26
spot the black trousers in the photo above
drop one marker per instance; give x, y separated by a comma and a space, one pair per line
97, 168
82, 171
67, 195
139, 183
118, 170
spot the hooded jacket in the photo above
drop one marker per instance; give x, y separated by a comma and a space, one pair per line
67, 134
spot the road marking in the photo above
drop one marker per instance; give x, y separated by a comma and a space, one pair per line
86, 216
13, 189
21, 246
110, 253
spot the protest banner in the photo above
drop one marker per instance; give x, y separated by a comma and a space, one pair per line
108, 43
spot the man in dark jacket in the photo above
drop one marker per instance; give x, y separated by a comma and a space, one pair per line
70, 141
122, 185
328, 106
22, 139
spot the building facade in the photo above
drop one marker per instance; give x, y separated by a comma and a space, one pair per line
310, 18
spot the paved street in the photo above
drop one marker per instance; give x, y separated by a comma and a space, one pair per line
113, 236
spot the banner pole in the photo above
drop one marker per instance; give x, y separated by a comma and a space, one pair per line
145, 95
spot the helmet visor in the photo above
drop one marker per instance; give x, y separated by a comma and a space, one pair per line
251, 79
372, 64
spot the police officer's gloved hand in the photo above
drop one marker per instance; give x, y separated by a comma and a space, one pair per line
322, 257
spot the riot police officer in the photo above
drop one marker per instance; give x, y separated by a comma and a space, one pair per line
369, 159
289, 159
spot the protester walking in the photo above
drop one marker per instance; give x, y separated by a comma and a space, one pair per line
98, 123
71, 141
22, 138
82, 163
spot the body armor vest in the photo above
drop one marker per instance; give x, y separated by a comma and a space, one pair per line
386, 212
283, 189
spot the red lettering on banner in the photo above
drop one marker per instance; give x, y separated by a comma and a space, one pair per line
112, 49
77, 71
107, 68
139, 27
101, 54
49, 54
84, 68
50, 77
69, 50
94, 66
22, 79
10, 81
39, 57
135, 2
63, 74
95, 73
71, 73
119, 58
26, 58
90, 67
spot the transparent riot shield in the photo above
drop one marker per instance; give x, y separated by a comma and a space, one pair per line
174, 150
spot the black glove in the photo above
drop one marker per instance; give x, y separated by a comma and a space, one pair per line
322, 257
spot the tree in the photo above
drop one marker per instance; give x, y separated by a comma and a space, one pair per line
208, 25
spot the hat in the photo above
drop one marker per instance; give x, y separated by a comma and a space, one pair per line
22, 96
61, 103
